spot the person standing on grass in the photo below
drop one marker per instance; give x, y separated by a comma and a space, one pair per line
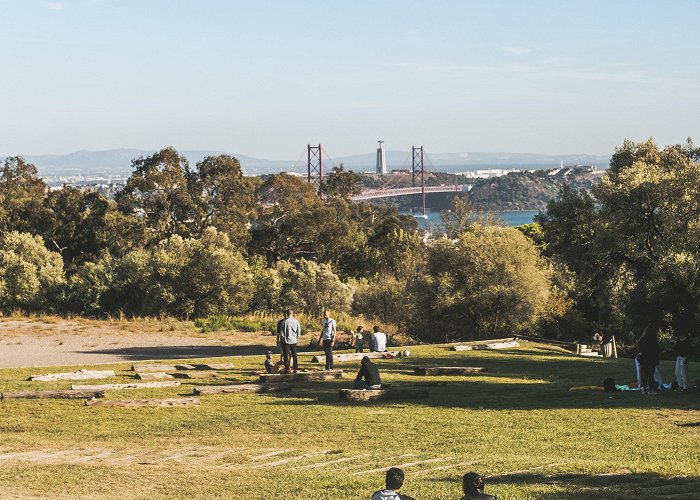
649, 358
473, 488
378, 341
328, 330
683, 350
394, 482
359, 338
289, 331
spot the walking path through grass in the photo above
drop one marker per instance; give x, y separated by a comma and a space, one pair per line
518, 424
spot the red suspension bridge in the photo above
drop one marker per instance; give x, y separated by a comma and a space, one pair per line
315, 176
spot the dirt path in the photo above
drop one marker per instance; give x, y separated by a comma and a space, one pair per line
55, 341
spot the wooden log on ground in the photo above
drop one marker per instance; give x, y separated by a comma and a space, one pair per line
59, 394
383, 394
301, 376
448, 370
493, 345
154, 376
131, 403
243, 388
181, 367
134, 385
354, 356
196, 375
79, 375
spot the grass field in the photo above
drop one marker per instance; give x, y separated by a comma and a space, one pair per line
518, 424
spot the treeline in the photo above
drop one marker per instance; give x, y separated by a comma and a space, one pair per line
631, 244
202, 240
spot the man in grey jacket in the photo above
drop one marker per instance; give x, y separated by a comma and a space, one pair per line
288, 333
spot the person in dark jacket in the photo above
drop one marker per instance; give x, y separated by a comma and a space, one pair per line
269, 365
683, 350
368, 376
473, 487
649, 358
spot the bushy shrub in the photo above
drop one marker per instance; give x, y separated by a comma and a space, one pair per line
31, 276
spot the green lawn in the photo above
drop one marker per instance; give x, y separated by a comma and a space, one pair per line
519, 423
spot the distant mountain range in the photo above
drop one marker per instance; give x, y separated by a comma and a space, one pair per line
118, 161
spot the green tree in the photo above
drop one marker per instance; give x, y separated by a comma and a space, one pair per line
158, 192
383, 298
492, 280
342, 183
223, 198
31, 276
311, 287
22, 194
632, 243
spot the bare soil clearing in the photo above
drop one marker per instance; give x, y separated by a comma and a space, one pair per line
55, 341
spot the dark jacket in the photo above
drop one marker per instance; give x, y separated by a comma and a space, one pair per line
683, 348
649, 348
370, 373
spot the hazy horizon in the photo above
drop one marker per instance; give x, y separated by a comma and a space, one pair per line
266, 79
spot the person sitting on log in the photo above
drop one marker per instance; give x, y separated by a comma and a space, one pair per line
473, 487
394, 482
377, 342
368, 376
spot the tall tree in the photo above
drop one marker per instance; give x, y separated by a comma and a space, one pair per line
223, 198
158, 192
22, 194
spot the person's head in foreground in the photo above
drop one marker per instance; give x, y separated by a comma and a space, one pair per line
365, 359
394, 476
289, 313
472, 483
375, 328
268, 355
360, 329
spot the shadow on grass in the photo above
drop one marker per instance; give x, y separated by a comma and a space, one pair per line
512, 382
615, 485
180, 352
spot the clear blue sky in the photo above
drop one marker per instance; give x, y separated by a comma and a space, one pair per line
264, 78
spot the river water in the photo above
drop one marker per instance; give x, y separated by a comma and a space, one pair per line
511, 218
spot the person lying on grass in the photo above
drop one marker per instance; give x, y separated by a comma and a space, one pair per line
368, 376
473, 487
394, 482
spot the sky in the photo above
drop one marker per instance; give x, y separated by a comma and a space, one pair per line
265, 78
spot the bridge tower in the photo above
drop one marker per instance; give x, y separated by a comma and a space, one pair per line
315, 167
418, 170
381, 159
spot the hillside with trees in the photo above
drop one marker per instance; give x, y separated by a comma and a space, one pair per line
194, 241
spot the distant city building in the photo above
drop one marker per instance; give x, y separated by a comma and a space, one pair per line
381, 159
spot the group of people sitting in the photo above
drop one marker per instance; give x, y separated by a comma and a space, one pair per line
472, 487
376, 340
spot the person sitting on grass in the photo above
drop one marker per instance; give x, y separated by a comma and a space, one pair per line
368, 376
269, 365
394, 482
473, 487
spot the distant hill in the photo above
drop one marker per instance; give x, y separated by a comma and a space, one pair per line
118, 161
450, 162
